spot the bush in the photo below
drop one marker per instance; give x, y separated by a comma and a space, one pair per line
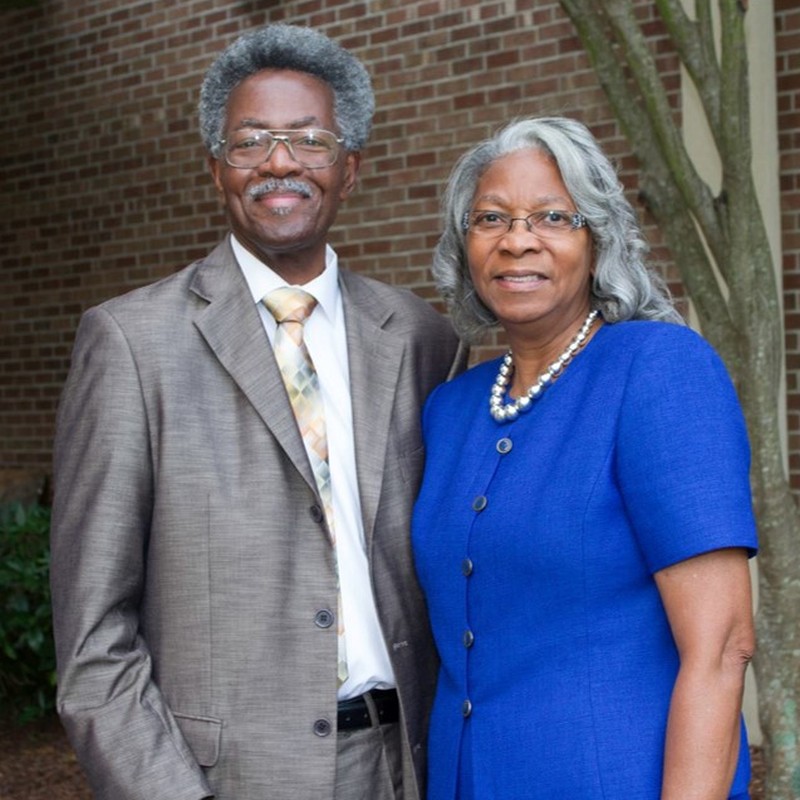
27, 652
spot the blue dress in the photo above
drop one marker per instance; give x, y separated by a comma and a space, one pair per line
536, 542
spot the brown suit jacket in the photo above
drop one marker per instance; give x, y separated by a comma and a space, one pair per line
188, 559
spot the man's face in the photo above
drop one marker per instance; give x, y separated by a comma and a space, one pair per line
280, 210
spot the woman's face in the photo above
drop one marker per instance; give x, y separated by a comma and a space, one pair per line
532, 280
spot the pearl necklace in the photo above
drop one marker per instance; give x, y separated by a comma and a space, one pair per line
510, 411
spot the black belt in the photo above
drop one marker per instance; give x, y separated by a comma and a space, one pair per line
354, 713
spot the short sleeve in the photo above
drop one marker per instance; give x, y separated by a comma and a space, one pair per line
683, 457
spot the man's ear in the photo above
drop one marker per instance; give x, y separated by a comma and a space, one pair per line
352, 166
214, 168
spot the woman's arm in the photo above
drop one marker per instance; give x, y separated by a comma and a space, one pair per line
708, 602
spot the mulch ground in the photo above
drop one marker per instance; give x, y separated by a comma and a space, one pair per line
37, 763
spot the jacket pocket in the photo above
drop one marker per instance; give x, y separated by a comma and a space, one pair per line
203, 735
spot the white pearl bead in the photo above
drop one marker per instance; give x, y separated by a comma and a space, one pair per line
510, 411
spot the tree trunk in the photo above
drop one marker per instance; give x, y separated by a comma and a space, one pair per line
721, 249
777, 661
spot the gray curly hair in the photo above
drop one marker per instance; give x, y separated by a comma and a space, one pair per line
289, 47
623, 286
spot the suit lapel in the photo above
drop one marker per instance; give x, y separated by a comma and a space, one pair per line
374, 357
231, 326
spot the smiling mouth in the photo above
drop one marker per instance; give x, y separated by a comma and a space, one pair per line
280, 200
523, 280
280, 203
287, 190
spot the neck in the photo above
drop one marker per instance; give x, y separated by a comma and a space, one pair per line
532, 355
524, 399
296, 266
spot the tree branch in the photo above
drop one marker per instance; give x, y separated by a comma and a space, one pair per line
664, 198
696, 48
695, 192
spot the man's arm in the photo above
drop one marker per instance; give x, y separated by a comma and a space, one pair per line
126, 738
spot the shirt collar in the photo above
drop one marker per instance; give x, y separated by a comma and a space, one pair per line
261, 279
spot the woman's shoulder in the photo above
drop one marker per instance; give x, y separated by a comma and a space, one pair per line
664, 359
474, 382
658, 341
478, 375
642, 332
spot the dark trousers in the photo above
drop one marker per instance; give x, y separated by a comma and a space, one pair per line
369, 764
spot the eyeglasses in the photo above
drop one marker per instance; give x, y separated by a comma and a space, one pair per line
311, 148
549, 222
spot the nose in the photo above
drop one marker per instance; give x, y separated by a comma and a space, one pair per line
279, 160
526, 223
521, 237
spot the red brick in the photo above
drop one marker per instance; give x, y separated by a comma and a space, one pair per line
105, 185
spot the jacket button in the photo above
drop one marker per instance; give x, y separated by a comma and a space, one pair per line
504, 445
467, 567
317, 514
323, 618
479, 503
466, 708
468, 638
322, 727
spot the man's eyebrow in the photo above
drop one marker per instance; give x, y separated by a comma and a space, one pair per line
305, 122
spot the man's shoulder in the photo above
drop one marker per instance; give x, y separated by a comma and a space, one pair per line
163, 287
393, 297
171, 291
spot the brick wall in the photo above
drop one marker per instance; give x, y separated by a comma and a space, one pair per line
787, 41
103, 184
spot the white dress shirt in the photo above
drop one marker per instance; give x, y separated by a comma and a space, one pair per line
324, 334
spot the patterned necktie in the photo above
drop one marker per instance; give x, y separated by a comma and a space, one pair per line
291, 308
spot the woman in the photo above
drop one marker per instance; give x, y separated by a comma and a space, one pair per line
584, 523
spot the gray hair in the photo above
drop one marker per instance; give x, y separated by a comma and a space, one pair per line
292, 48
623, 287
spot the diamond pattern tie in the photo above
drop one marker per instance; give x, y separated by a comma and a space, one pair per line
291, 308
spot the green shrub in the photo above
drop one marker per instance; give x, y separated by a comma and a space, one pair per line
27, 653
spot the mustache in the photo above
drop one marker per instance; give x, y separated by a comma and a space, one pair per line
273, 185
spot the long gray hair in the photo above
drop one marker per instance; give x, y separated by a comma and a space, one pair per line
623, 287
292, 48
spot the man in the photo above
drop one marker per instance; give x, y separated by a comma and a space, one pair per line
206, 531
